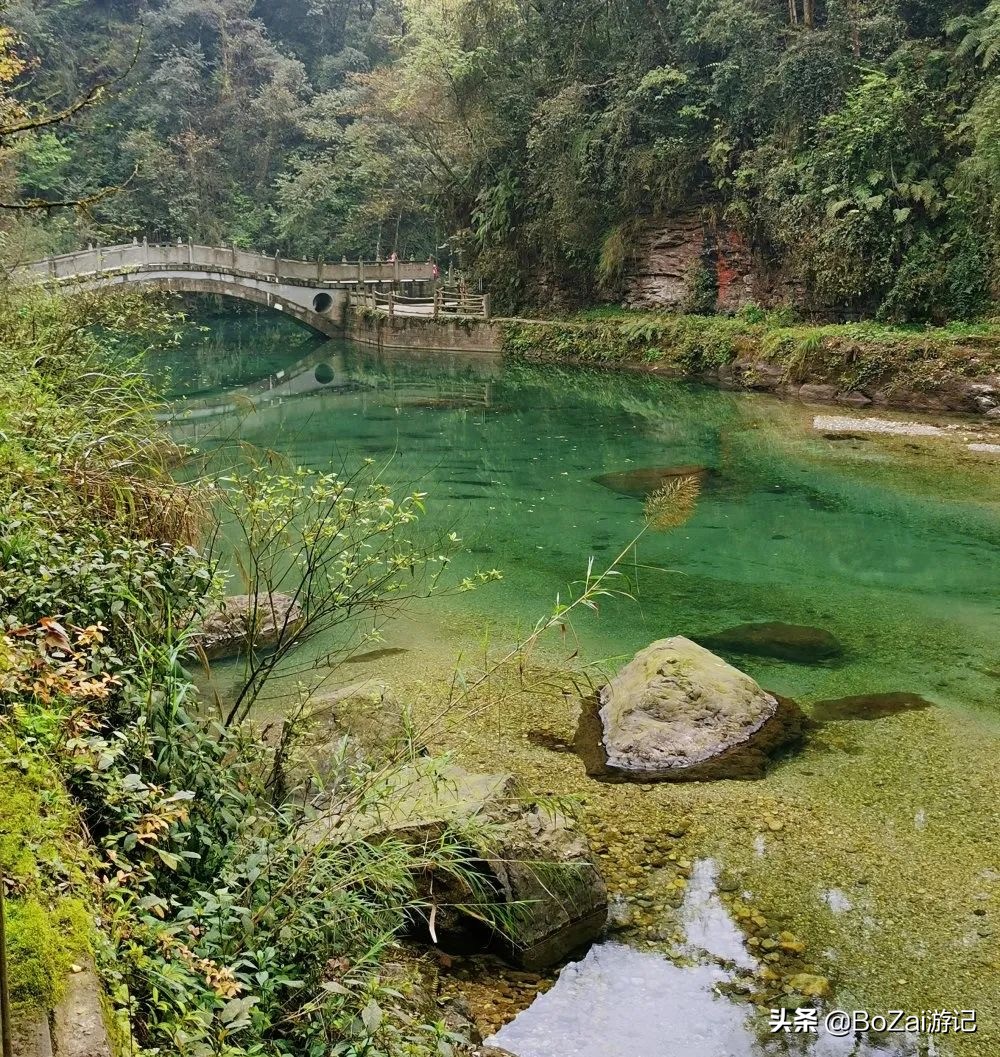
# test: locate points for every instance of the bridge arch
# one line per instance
(314, 292)
(293, 302)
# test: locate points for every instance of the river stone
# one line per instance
(244, 622)
(357, 726)
(819, 393)
(370, 714)
(642, 482)
(787, 642)
(868, 706)
(677, 712)
(548, 878)
(536, 863)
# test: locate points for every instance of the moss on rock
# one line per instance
(42, 856)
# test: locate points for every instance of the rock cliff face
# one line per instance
(673, 252)
(666, 258)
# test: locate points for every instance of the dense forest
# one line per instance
(853, 144)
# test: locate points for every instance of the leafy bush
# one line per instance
(232, 926)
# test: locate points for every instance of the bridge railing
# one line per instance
(146, 255)
(445, 301)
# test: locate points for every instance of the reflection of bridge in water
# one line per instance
(467, 378)
(314, 292)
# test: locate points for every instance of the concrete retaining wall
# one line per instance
(414, 332)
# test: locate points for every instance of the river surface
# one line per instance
(877, 844)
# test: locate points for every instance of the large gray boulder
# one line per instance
(249, 622)
(546, 874)
(676, 712)
(535, 865)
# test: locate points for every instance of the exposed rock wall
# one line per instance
(667, 255)
(672, 251)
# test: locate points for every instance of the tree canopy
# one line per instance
(855, 145)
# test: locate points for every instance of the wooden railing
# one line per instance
(445, 301)
(144, 256)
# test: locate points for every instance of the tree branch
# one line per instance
(90, 97)
(36, 204)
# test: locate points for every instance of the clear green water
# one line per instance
(888, 543)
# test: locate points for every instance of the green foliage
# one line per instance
(43, 163)
(865, 356)
(688, 344)
(702, 290)
(856, 149)
(339, 545)
(246, 908)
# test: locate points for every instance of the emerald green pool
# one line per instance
(888, 543)
(875, 842)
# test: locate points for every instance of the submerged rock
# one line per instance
(786, 642)
(370, 714)
(249, 622)
(375, 655)
(642, 483)
(868, 706)
(676, 712)
(360, 726)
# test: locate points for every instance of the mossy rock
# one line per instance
(676, 712)
(42, 945)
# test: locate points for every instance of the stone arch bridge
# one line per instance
(314, 292)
